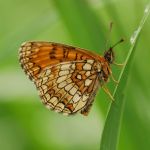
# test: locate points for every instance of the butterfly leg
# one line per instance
(117, 64)
(107, 92)
(116, 81)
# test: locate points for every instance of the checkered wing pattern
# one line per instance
(66, 77)
(35, 56)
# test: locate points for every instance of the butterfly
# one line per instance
(66, 77)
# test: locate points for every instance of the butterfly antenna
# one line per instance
(120, 41)
(108, 38)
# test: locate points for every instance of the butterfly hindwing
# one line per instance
(68, 87)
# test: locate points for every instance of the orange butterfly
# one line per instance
(66, 77)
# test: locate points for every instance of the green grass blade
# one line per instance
(111, 132)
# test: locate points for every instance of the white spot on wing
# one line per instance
(65, 72)
(43, 89)
(62, 84)
(85, 97)
(66, 111)
(88, 82)
(47, 96)
(73, 91)
(79, 76)
(45, 79)
(68, 87)
(90, 61)
(26, 44)
(28, 48)
(59, 107)
(48, 72)
(87, 66)
(76, 98)
(27, 53)
(65, 66)
(54, 100)
(88, 73)
(80, 105)
(61, 79)
(73, 66)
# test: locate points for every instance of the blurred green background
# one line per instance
(24, 122)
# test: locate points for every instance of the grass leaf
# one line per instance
(111, 132)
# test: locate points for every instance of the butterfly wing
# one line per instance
(35, 56)
(66, 77)
(68, 87)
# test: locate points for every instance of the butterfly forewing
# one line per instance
(66, 77)
(35, 56)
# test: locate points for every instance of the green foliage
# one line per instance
(112, 126)
(24, 121)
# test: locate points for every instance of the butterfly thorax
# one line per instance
(105, 62)
(105, 70)
(109, 55)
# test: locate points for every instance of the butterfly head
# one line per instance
(109, 54)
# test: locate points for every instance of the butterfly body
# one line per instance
(66, 77)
